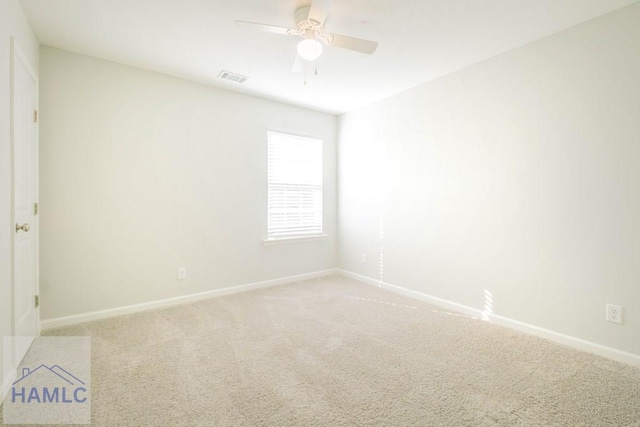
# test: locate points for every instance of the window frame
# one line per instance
(267, 240)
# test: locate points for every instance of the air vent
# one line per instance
(228, 75)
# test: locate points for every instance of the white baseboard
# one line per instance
(570, 341)
(450, 305)
(112, 312)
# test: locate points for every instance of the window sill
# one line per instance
(301, 239)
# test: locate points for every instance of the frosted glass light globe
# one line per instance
(309, 49)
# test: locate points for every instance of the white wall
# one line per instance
(12, 23)
(142, 173)
(519, 175)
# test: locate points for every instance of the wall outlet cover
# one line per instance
(182, 273)
(614, 313)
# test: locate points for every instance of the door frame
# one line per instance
(18, 55)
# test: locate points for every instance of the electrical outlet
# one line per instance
(364, 259)
(614, 313)
(182, 273)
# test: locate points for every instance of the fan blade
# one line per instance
(319, 10)
(298, 65)
(352, 43)
(263, 27)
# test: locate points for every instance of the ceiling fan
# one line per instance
(310, 26)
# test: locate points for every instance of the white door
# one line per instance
(25, 189)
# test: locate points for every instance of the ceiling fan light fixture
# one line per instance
(309, 49)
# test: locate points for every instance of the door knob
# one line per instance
(24, 227)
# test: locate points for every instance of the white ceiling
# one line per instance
(418, 40)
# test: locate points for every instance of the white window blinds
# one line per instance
(294, 193)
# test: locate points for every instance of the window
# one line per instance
(294, 186)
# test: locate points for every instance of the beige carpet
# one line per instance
(333, 352)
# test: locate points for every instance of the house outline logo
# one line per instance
(73, 389)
